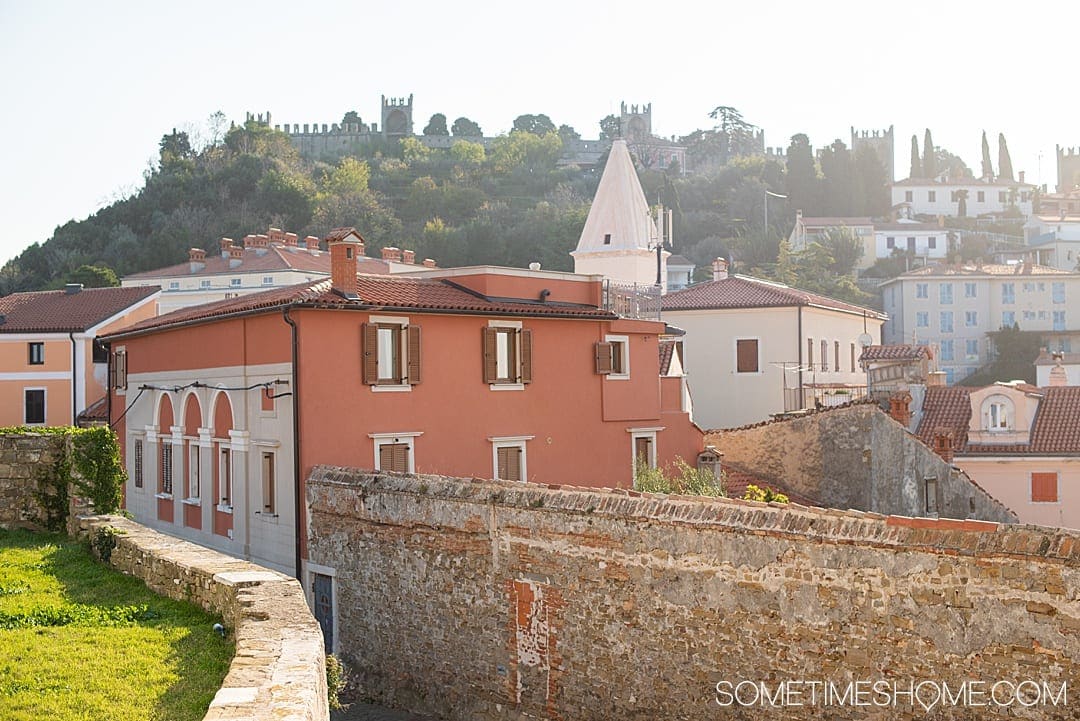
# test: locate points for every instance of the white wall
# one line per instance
(943, 204)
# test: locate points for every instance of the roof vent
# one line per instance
(73, 288)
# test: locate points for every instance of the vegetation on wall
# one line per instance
(679, 478)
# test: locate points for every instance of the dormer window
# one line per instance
(998, 414)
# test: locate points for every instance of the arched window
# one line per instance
(998, 414)
(222, 465)
(165, 422)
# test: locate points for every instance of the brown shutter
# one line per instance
(746, 355)
(502, 472)
(810, 353)
(413, 361)
(488, 346)
(1044, 487)
(526, 356)
(641, 450)
(386, 457)
(369, 353)
(401, 457)
(509, 463)
(604, 358)
(112, 372)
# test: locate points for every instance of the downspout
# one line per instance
(296, 441)
(799, 343)
(74, 389)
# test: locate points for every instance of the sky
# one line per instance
(89, 88)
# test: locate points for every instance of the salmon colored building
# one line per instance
(484, 372)
(51, 369)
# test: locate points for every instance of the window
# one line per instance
(390, 349)
(945, 293)
(395, 451)
(1008, 319)
(37, 353)
(34, 406)
(508, 458)
(643, 447)
(810, 353)
(946, 350)
(98, 352)
(174, 285)
(269, 486)
(194, 490)
(922, 319)
(836, 356)
(931, 242)
(997, 415)
(1043, 315)
(507, 355)
(911, 244)
(165, 476)
(204, 283)
(1044, 487)
(137, 462)
(1028, 287)
(945, 321)
(225, 476)
(970, 290)
(971, 348)
(1028, 315)
(613, 357)
(824, 355)
(909, 196)
(980, 196)
(607, 238)
(268, 280)
(118, 372)
(747, 359)
(922, 290)
(930, 495)
(931, 195)
(852, 357)
(890, 242)
(1059, 320)
(1002, 197)
(971, 318)
(1008, 293)
(235, 282)
(1058, 291)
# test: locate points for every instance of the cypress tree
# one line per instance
(987, 167)
(929, 161)
(1004, 161)
(916, 164)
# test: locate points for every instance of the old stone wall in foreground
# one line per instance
(482, 600)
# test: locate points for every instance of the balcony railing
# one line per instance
(632, 300)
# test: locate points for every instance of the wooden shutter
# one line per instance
(488, 336)
(810, 353)
(509, 463)
(641, 450)
(526, 356)
(369, 353)
(1044, 487)
(394, 457)
(747, 355)
(112, 372)
(412, 370)
(604, 358)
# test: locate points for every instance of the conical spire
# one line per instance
(619, 218)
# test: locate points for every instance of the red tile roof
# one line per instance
(667, 351)
(742, 292)
(57, 311)
(945, 408)
(899, 352)
(966, 182)
(96, 412)
(943, 269)
(375, 292)
(272, 257)
(736, 480)
(830, 222)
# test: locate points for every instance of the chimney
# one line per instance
(72, 288)
(429, 263)
(720, 269)
(391, 254)
(900, 407)
(943, 444)
(250, 240)
(345, 245)
(1058, 375)
(408, 256)
(226, 243)
(291, 240)
(262, 244)
(311, 243)
(196, 259)
(1020, 175)
(236, 257)
(276, 235)
(935, 378)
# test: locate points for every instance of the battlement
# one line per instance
(881, 142)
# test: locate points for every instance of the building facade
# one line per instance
(943, 197)
(809, 230)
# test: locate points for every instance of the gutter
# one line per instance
(74, 384)
(298, 501)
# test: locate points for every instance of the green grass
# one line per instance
(81, 641)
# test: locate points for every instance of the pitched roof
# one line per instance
(945, 407)
(259, 260)
(667, 352)
(965, 182)
(948, 270)
(910, 226)
(743, 292)
(619, 210)
(736, 479)
(834, 222)
(898, 352)
(96, 412)
(679, 260)
(374, 291)
(57, 311)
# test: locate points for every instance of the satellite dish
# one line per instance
(866, 340)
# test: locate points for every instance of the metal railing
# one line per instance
(797, 399)
(631, 300)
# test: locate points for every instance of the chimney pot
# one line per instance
(720, 269)
(345, 245)
(311, 242)
(429, 263)
(391, 254)
(408, 256)
(291, 240)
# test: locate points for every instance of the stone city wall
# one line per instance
(481, 600)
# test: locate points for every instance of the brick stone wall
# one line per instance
(856, 457)
(279, 669)
(23, 458)
(482, 600)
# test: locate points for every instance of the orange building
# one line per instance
(51, 370)
(486, 372)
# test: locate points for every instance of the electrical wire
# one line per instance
(199, 384)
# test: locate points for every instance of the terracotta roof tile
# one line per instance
(902, 351)
(834, 222)
(667, 351)
(945, 407)
(743, 292)
(736, 480)
(945, 270)
(375, 292)
(96, 412)
(1057, 422)
(273, 257)
(57, 311)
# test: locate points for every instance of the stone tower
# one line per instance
(1068, 169)
(881, 142)
(635, 122)
(397, 120)
(619, 238)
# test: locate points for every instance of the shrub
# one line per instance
(766, 495)
(679, 478)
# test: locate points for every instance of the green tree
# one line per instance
(610, 127)
(929, 159)
(916, 163)
(462, 151)
(961, 202)
(953, 166)
(413, 150)
(94, 276)
(535, 124)
(987, 166)
(524, 149)
(350, 176)
(1015, 358)
(351, 117)
(804, 189)
(436, 125)
(1004, 160)
(567, 133)
(871, 184)
(837, 179)
(174, 146)
(737, 134)
(465, 128)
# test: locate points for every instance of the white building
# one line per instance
(809, 230)
(1055, 239)
(754, 348)
(955, 307)
(1064, 368)
(942, 197)
(924, 240)
(680, 272)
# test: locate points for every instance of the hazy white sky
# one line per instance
(89, 88)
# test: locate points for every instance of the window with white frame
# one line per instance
(643, 447)
(234, 282)
(613, 357)
(997, 412)
(395, 451)
(508, 458)
(970, 290)
(174, 285)
(137, 462)
(971, 318)
(945, 293)
(204, 283)
(34, 406)
(268, 477)
(165, 471)
(922, 319)
(194, 471)
(1008, 293)
(225, 476)
(747, 355)
(945, 322)
(922, 290)
(268, 280)
(390, 349)
(507, 354)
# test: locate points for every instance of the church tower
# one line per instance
(619, 238)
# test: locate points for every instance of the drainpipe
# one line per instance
(799, 343)
(74, 396)
(296, 442)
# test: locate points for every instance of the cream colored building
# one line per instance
(754, 348)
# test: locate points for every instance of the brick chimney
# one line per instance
(226, 243)
(408, 256)
(197, 259)
(1058, 375)
(276, 235)
(900, 407)
(311, 243)
(345, 246)
(943, 444)
(236, 257)
(262, 244)
(250, 240)
(291, 240)
(1021, 176)
(429, 263)
(391, 254)
(720, 269)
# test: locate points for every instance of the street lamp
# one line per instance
(775, 195)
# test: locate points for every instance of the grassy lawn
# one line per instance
(81, 641)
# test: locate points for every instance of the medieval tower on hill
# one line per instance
(881, 142)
